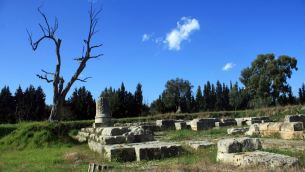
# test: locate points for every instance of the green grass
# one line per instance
(43, 159)
(181, 135)
(6, 129)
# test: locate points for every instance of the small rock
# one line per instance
(233, 131)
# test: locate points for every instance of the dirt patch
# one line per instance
(74, 156)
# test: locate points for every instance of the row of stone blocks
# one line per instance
(245, 152)
(115, 135)
(207, 123)
(136, 151)
(285, 130)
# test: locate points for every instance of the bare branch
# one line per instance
(45, 20)
(83, 80)
(45, 77)
(96, 46)
(55, 27)
(30, 39)
(79, 59)
(42, 29)
(94, 57)
(93, 21)
(47, 73)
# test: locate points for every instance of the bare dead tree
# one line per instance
(60, 89)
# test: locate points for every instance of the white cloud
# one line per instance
(181, 33)
(146, 37)
(158, 40)
(228, 66)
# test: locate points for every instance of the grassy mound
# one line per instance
(6, 129)
(39, 134)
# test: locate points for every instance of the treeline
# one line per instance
(28, 105)
(124, 103)
(178, 97)
(264, 84)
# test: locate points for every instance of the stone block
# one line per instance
(114, 131)
(257, 158)
(226, 122)
(156, 150)
(233, 131)
(292, 126)
(240, 121)
(235, 145)
(203, 124)
(257, 120)
(147, 152)
(82, 136)
(295, 118)
(141, 134)
(120, 153)
(263, 126)
(180, 125)
(90, 130)
(170, 150)
(99, 130)
(289, 135)
(275, 126)
(95, 146)
(166, 124)
(110, 140)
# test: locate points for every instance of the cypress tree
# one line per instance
(138, 98)
(199, 100)
(7, 106)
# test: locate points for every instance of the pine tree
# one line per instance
(30, 103)
(226, 97)
(122, 101)
(213, 98)
(7, 106)
(302, 94)
(207, 96)
(138, 98)
(82, 104)
(40, 105)
(235, 97)
(219, 96)
(20, 104)
(199, 100)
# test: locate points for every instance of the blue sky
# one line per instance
(152, 41)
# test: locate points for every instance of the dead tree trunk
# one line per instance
(60, 90)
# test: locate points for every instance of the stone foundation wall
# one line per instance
(285, 130)
(244, 152)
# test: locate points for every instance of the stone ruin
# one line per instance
(136, 142)
(208, 123)
(291, 128)
(124, 143)
(103, 114)
(244, 152)
(284, 130)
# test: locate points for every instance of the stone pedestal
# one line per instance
(103, 114)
